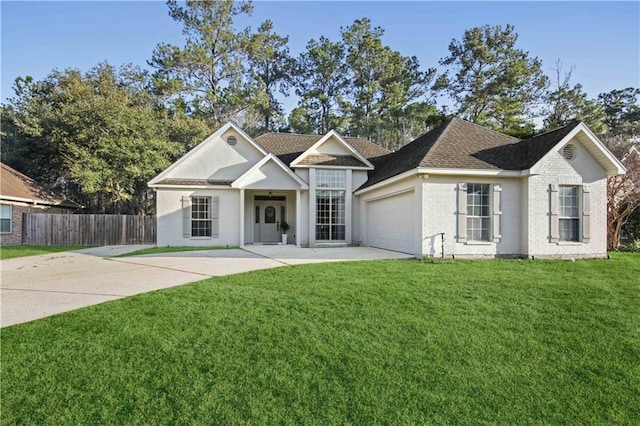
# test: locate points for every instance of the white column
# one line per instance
(312, 206)
(242, 218)
(298, 222)
(348, 196)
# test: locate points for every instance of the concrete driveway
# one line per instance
(40, 286)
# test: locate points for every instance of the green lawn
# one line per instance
(10, 252)
(384, 342)
(156, 250)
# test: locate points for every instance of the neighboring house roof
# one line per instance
(289, 146)
(15, 186)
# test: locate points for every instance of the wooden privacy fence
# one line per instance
(87, 229)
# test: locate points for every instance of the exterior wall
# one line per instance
(333, 147)
(554, 169)
(440, 216)
(358, 178)
(170, 218)
(219, 161)
(524, 208)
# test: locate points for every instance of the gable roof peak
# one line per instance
(569, 126)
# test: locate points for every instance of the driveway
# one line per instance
(40, 286)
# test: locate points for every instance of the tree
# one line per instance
(272, 71)
(321, 82)
(383, 84)
(365, 59)
(209, 69)
(403, 107)
(300, 121)
(623, 192)
(494, 83)
(622, 111)
(567, 104)
(98, 137)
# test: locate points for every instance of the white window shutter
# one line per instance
(462, 212)
(215, 227)
(586, 213)
(496, 212)
(186, 216)
(554, 222)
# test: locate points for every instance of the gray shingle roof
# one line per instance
(459, 144)
(288, 146)
(331, 160)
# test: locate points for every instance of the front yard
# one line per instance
(393, 342)
(11, 252)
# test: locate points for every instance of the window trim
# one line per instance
(577, 234)
(486, 218)
(332, 220)
(207, 212)
(332, 191)
(10, 218)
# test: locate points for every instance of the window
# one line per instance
(331, 178)
(201, 217)
(478, 219)
(569, 214)
(330, 223)
(330, 205)
(270, 215)
(5, 218)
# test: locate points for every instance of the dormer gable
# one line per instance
(332, 150)
(270, 173)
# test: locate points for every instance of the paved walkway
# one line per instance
(40, 286)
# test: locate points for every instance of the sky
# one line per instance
(600, 39)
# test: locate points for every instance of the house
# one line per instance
(20, 194)
(460, 190)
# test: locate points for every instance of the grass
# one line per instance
(10, 252)
(156, 250)
(384, 342)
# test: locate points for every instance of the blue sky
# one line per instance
(601, 39)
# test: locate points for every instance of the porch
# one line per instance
(268, 214)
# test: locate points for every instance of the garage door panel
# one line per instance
(390, 223)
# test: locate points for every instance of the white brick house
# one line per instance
(460, 190)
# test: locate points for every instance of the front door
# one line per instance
(269, 215)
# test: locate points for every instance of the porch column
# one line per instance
(242, 218)
(298, 218)
(348, 197)
(312, 207)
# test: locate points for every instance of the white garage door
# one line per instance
(390, 223)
